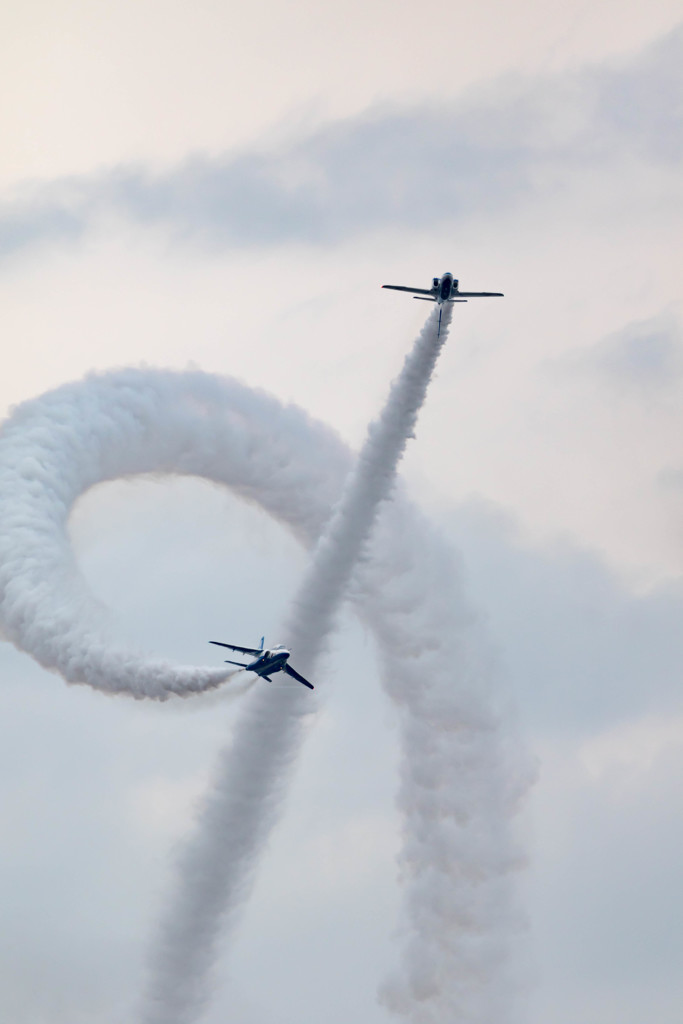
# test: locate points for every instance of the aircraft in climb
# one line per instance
(444, 289)
(266, 662)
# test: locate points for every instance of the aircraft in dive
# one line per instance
(444, 289)
(265, 663)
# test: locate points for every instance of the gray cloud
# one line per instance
(579, 650)
(584, 657)
(486, 153)
(45, 219)
(643, 357)
(644, 103)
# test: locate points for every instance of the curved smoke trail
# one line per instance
(241, 806)
(455, 794)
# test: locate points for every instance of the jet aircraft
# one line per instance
(266, 663)
(444, 289)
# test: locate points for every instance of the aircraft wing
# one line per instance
(415, 291)
(477, 295)
(295, 675)
(234, 647)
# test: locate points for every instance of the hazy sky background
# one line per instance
(227, 186)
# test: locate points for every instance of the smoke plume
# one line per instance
(239, 812)
(459, 783)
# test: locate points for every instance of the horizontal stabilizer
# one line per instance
(241, 664)
(425, 298)
(480, 295)
(295, 675)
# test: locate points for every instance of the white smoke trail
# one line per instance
(455, 794)
(216, 866)
(341, 544)
(462, 778)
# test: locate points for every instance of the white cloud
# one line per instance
(493, 151)
(627, 756)
(90, 84)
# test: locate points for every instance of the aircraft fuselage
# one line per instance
(269, 661)
(443, 288)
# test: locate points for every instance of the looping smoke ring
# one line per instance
(456, 854)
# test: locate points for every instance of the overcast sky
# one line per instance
(227, 186)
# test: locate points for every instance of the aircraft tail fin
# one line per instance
(263, 641)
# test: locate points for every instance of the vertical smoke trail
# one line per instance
(341, 544)
(460, 774)
(215, 869)
(462, 777)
